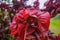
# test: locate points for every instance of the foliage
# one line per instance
(55, 24)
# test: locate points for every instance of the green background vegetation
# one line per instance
(55, 24)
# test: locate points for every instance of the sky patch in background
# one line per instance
(41, 6)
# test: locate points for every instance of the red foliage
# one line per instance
(19, 27)
(52, 8)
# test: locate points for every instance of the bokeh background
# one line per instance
(54, 22)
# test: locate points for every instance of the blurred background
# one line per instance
(8, 10)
